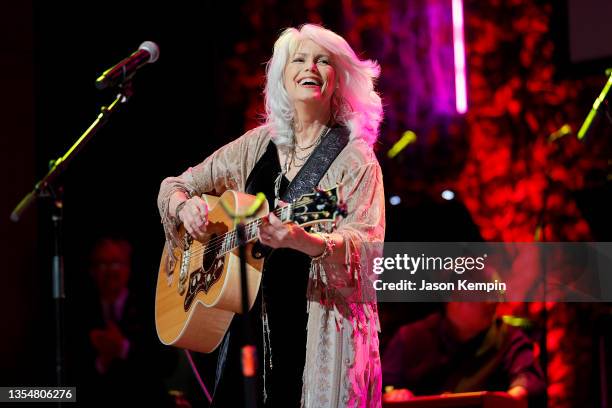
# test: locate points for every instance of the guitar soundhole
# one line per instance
(210, 272)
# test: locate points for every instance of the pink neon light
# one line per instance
(459, 51)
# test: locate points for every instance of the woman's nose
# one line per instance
(311, 66)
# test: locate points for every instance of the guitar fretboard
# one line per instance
(230, 239)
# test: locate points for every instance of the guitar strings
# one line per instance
(232, 242)
(231, 236)
(278, 211)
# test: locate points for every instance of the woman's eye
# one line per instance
(298, 60)
(322, 61)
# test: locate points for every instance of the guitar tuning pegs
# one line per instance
(318, 194)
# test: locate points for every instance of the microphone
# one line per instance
(148, 52)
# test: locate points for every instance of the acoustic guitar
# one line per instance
(196, 301)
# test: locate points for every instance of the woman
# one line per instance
(321, 335)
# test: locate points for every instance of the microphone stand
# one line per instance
(248, 349)
(44, 189)
(540, 236)
(599, 333)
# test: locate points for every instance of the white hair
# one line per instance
(355, 104)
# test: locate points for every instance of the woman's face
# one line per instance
(309, 74)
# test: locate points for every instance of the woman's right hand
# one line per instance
(194, 216)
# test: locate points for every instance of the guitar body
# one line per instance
(196, 301)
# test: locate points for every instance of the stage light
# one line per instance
(459, 54)
(448, 195)
(395, 200)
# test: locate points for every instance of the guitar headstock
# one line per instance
(318, 206)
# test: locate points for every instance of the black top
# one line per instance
(283, 288)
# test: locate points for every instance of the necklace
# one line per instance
(316, 142)
(293, 158)
(298, 161)
(302, 159)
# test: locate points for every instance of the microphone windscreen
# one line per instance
(152, 49)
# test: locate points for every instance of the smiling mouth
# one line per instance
(309, 82)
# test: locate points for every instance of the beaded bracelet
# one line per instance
(330, 244)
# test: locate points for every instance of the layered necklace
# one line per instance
(298, 156)
(296, 159)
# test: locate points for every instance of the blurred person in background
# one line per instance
(463, 349)
(117, 356)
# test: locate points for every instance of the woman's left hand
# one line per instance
(275, 234)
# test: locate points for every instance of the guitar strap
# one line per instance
(309, 175)
(317, 164)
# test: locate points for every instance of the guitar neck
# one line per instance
(251, 228)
